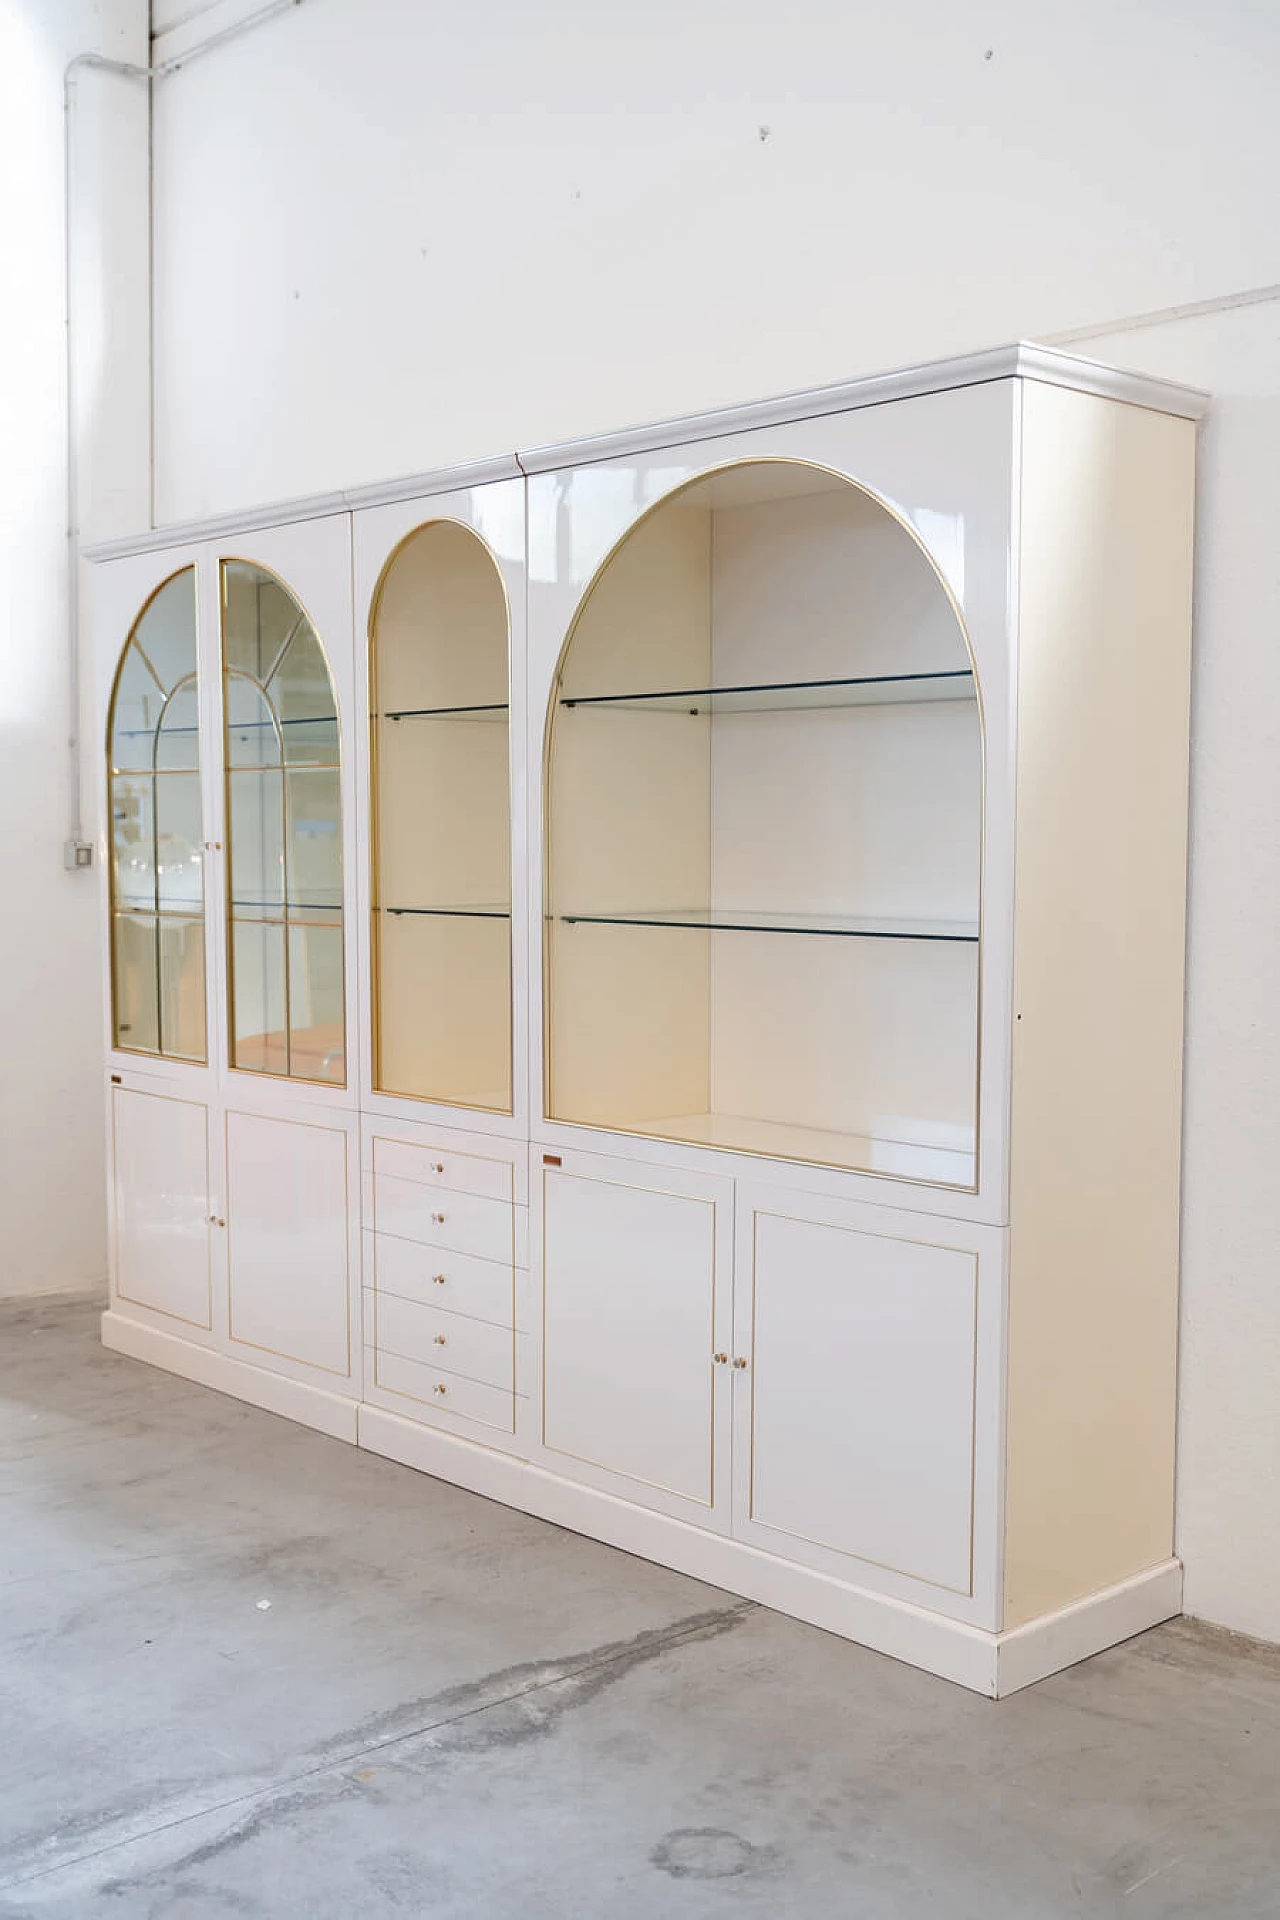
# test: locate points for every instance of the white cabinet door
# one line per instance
(856, 1428)
(636, 1268)
(160, 1190)
(292, 1280)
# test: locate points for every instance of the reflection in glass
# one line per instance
(442, 837)
(157, 873)
(284, 834)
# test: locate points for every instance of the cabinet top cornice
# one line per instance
(1022, 361)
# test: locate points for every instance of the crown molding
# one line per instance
(1024, 361)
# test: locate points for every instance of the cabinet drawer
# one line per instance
(485, 1289)
(447, 1341)
(463, 1222)
(444, 1392)
(442, 1167)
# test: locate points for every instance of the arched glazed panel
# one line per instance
(439, 671)
(284, 834)
(156, 864)
(763, 835)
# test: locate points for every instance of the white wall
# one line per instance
(51, 1133)
(389, 236)
(393, 235)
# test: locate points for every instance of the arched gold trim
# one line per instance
(149, 773)
(896, 515)
(131, 640)
(226, 560)
(375, 867)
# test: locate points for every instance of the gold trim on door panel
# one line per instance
(583, 1459)
(148, 1093)
(318, 1126)
(825, 1546)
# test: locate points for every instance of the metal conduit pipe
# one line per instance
(77, 851)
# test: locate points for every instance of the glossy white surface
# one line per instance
(449, 1341)
(461, 1283)
(858, 1449)
(160, 1150)
(287, 1229)
(629, 1299)
(443, 1167)
(445, 1394)
(862, 1396)
(461, 1222)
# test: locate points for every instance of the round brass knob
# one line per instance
(441, 1341)
(441, 1389)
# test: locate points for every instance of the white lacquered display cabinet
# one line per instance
(766, 840)
(234, 1191)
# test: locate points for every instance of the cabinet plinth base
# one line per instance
(327, 1412)
(993, 1664)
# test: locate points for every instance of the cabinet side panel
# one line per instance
(1100, 887)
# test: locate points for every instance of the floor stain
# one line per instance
(508, 1707)
(710, 1853)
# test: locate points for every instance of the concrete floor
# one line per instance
(248, 1671)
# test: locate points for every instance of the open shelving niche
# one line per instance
(440, 722)
(763, 836)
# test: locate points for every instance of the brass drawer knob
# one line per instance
(739, 1363)
(438, 1218)
(721, 1359)
(440, 1389)
(439, 1279)
(441, 1341)
(439, 1166)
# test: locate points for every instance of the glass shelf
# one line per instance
(496, 711)
(788, 696)
(902, 1159)
(857, 926)
(486, 912)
